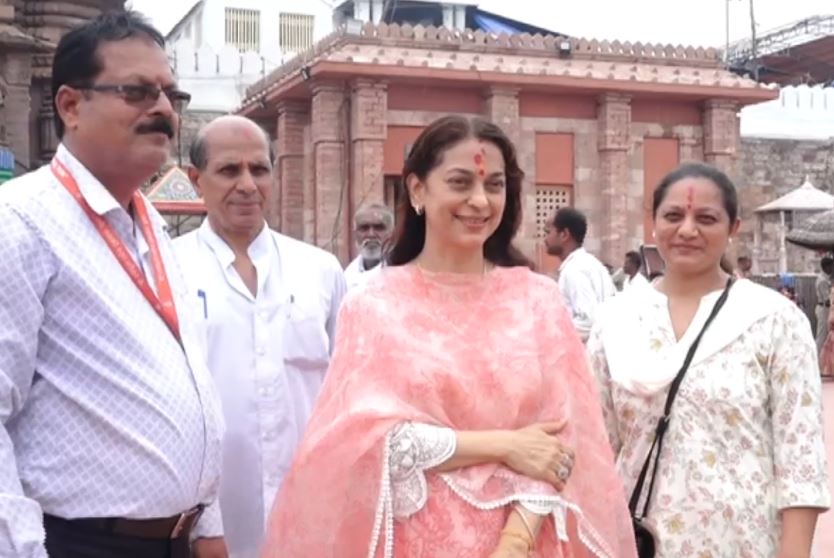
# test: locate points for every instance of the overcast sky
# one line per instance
(687, 22)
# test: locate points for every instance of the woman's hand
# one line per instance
(535, 452)
(510, 548)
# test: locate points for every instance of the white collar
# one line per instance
(258, 248)
(95, 193)
(573, 255)
(636, 362)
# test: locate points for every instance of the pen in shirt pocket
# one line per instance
(202, 294)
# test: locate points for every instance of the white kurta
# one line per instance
(745, 439)
(357, 276)
(268, 354)
(638, 281)
(585, 284)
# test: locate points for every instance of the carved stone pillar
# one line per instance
(289, 202)
(368, 130)
(328, 122)
(721, 134)
(613, 140)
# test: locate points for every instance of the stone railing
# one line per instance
(479, 41)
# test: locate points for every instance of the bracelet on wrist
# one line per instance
(515, 535)
(520, 512)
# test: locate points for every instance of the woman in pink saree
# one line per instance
(458, 418)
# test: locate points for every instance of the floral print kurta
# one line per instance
(745, 440)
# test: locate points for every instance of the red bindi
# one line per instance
(479, 162)
(690, 196)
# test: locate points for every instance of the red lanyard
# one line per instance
(164, 303)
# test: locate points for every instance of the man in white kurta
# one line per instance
(269, 303)
(631, 267)
(372, 227)
(583, 280)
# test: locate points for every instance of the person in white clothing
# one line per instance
(633, 276)
(583, 280)
(372, 227)
(110, 422)
(269, 304)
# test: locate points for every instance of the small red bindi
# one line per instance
(690, 197)
(479, 162)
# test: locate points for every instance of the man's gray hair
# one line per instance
(379, 208)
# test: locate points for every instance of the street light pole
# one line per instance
(727, 30)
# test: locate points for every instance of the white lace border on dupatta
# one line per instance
(383, 527)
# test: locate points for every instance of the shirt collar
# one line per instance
(573, 255)
(95, 193)
(258, 250)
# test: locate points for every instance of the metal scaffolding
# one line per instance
(782, 39)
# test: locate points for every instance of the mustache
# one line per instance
(158, 126)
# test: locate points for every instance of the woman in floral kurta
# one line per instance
(745, 443)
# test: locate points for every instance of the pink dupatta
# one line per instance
(497, 352)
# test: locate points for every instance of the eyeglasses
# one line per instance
(140, 94)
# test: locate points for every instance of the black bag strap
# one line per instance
(663, 423)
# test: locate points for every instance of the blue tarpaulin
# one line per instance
(490, 24)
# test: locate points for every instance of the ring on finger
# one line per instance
(563, 472)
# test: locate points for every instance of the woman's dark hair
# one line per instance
(700, 170)
(77, 62)
(426, 154)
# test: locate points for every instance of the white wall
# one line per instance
(217, 80)
(217, 75)
(213, 22)
(799, 113)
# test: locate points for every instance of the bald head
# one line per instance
(231, 170)
(222, 129)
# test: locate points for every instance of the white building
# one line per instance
(802, 113)
(220, 47)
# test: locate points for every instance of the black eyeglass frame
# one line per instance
(139, 93)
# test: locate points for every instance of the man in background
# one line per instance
(583, 280)
(632, 267)
(822, 288)
(745, 267)
(372, 227)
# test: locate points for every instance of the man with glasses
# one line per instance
(372, 227)
(111, 425)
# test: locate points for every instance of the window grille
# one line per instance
(548, 200)
(295, 32)
(243, 29)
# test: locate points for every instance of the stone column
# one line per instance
(721, 143)
(288, 203)
(6, 17)
(15, 79)
(328, 122)
(721, 134)
(501, 108)
(613, 139)
(368, 130)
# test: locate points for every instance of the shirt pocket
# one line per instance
(306, 344)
